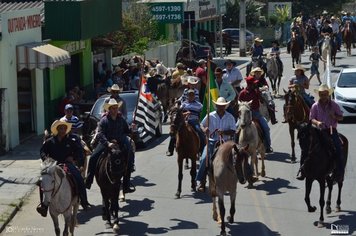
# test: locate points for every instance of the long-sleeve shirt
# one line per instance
(232, 75)
(110, 129)
(227, 122)
(226, 90)
(322, 114)
(184, 96)
(247, 95)
(61, 150)
(194, 108)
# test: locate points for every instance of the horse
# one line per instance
(312, 36)
(274, 73)
(250, 135)
(264, 104)
(110, 169)
(256, 62)
(295, 49)
(319, 164)
(329, 48)
(187, 146)
(296, 112)
(228, 166)
(347, 36)
(59, 196)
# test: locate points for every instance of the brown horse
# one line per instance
(187, 146)
(111, 167)
(229, 165)
(347, 36)
(319, 164)
(296, 112)
(312, 36)
(295, 49)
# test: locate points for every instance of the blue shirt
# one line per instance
(194, 108)
(184, 96)
(257, 50)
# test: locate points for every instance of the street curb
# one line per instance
(17, 208)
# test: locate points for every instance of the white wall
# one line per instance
(8, 74)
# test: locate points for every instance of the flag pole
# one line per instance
(208, 110)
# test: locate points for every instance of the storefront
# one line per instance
(23, 60)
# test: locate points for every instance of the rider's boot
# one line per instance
(272, 114)
(41, 208)
(89, 179)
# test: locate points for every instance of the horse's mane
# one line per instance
(48, 165)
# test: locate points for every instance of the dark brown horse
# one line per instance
(295, 49)
(312, 36)
(320, 165)
(187, 146)
(347, 36)
(111, 167)
(296, 112)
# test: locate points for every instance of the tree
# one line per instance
(231, 18)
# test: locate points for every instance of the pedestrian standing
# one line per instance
(314, 58)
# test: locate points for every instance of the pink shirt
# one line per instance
(322, 114)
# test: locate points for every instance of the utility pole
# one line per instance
(242, 36)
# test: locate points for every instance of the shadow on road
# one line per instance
(154, 143)
(348, 120)
(85, 216)
(250, 228)
(278, 156)
(141, 181)
(134, 207)
(274, 185)
(344, 218)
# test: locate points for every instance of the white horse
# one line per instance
(266, 100)
(250, 137)
(58, 196)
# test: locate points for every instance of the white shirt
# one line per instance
(233, 75)
(227, 122)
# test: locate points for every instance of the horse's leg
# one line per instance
(232, 207)
(291, 133)
(308, 186)
(186, 165)
(67, 222)
(115, 206)
(222, 212)
(338, 202)
(106, 210)
(321, 202)
(215, 213)
(263, 170)
(74, 212)
(278, 83)
(193, 173)
(329, 182)
(180, 175)
(54, 217)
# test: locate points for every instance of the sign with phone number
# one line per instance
(167, 12)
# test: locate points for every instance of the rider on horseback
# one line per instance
(250, 93)
(232, 75)
(325, 30)
(63, 147)
(325, 114)
(295, 29)
(300, 82)
(256, 52)
(275, 50)
(262, 84)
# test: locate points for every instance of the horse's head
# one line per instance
(245, 114)
(50, 172)
(290, 104)
(304, 136)
(177, 118)
(296, 110)
(118, 160)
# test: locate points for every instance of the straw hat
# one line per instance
(258, 40)
(299, 67)
(114, 87)
(221, 102)
(323, 88)
(118, 69)
(257, 69)
(112, 102)
(57, 123)
(192, 80)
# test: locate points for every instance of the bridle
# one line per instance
(291, 107)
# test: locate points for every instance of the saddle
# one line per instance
(73, 184)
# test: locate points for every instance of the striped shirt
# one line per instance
(184, 96)
(194, 108)
(74, 120)
(227, 122)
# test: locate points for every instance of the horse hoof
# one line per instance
(312, 209)
(177, 195)
(230, 219)
(116, 228)
(263, 173)
(338, 209)
(293, 160)
(223, 233)
(320, 224)
(328, 210)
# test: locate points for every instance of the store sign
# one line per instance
(167, 12)
(207, 9)
(74, 46)
(21, 23)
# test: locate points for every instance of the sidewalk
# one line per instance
(19, 172)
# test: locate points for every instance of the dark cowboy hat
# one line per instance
(276, 42)
(229, 61)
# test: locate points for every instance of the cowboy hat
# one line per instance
(229, 61)
(192, 80)
(325, 12)
(180, 65)
(333, 18)
(114, 87)
(118, 69)
(257, 69)
(258, 40)
(323, 88)
(57, 123)
(343, 12)
(221, 101)
(299, 67)
(201, 61)
(112, 102)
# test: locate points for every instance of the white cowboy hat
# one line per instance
(57, 123)
(201, 61)
(193, 80)
(323, 88)
(114, 87)
(161, 69)
(299, 67)
(221, 102)
(257, 69)
(258, 40)
(112, 102)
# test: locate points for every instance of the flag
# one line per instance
(214, 93)
(145, 115)
(327, 74)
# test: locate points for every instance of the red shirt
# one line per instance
(201, 74)
(247, 95)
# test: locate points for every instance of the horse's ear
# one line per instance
(60, 173)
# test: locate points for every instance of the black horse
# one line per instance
(318, 155)
(111, 167)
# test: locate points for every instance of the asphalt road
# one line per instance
(275, 207)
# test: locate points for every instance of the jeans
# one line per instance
(196, 125)
(79, 180)
(264, 126)
(201, 176)
(309, 100)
